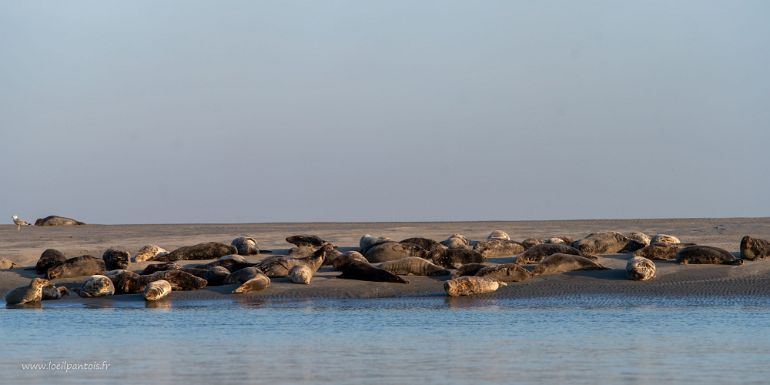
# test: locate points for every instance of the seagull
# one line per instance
(19, 222)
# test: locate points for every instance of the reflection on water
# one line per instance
(579, 339)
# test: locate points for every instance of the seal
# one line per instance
(149, 252)
(754, 248)
(156, 290)
(499, 234)
(640, 237)
(160, 267)
(413, 266)
(306, 240)
(536, 253)
(178, 279)
(707, 255)
(368, 241)
(116, 259)
(302, 251)
(454, 258)
(507, 272)
(559, 240)
(77, 267)
(125, 281)
(471, 285)
(52, 292)
(456, 241)
(279, 266)
(661, 251)
(469, 269)
(55, 220)
(664, 238)
(96, 286)
(640, 269)
(425, 243)
(216, 275)
(346, 258)
(7, 264)
(364, 271)
(495, 248)
(562, 263)
(245, 246)
(301, 274)
(390, 251)
(260, 282)
(30, 294)
(530, 242)
(49, 259)
(208, 250)
(230, 262)
(242, 275)
(606, 242)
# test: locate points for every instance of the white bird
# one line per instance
(19, 222)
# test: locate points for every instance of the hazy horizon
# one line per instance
(301, 111)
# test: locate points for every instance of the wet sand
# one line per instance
(753, 278)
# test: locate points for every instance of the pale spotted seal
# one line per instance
(30, 294)
(49, 259)
(54, 220)
(156, 290)
(96, 286)
(149, 253)
(364, 271)
(640, 237)
(706, 254)
(507, 272)
(260, 282)
(536, 253)
(207, 250)
(562, 263)
(245, 245)
(640, 269)
(77, 267)
(413, 266)
(301, 274)
(664, 238)
(559, 239)
(471, 285)
(754, 248)
(499, 234)
(115, 258)
(279, 266)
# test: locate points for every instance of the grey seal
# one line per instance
(301, 274)
(454, 258)
(245, 246)
(754, 248)
(346, 258)
(49, 259)
(562, 263)
(389, 251)
(207, 250)
(279, 266)
(156, 290)
(413, 266)
(368, 241)
(260, 282)
(536, 253)
(77, 267)
(606, 242)
(661, 251)
(507, 272)
(115, 258)
(149, 252)
(51, 291)
(425, 243)
(365, 271)
(706, 254)
(456, 241)
(96, 286)
(499, 234)
(530, 242)
(664, 238)
(55, 220)
(495, 248)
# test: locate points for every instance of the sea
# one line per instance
(581, 339)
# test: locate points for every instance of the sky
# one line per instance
(282, 111)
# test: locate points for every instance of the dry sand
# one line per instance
(753, 278)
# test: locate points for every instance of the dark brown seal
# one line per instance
(364, 271)
(49, 259)
(178, 279)
(160, 267)
(456, 257)
(706, 255)
(306, 240)
(661, 251)
(77, 267)
(115, 258)
(54, 220)
(242, 275)
(425, 243)
(536, 253)
(754, 248)
(208, 250)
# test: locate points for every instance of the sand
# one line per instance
(753, 278)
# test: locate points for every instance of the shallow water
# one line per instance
(577, 340)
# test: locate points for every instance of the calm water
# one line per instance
(578, 340)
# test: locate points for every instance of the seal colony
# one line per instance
(462, 266)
